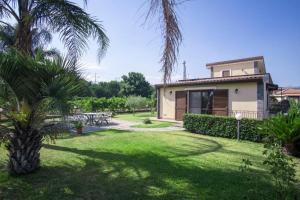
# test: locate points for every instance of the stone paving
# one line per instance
(126, 125)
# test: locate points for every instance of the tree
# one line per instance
(37, 86)
(135, 84)
(72, 23)
(40, 39)
(106, 89)
(136, 102)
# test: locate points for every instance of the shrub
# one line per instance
(280, 167)
(136, 102)
(285, 127)
(282, 170)
(222, 126)
(147, 121)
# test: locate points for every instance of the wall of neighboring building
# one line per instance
(236, 69)
(244, 100)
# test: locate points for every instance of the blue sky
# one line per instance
(213, 30)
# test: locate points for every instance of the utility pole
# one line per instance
(95, 78)
(184, 70)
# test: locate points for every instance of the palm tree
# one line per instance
(72, 23)
(285, 128)
(36, 85)
(40, 39)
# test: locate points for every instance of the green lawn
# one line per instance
(134, 165)
(137, 117)
(154, 124)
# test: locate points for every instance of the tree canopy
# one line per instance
(64, 17)
(135, 84)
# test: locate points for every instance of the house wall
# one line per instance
(237, 69)
(244, 100)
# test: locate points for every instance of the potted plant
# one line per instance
(78, 125)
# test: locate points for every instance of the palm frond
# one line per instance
(40, 38)
(165, 9)
(73, 24)
(7, 36)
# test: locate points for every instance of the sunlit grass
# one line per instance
(154, 124)
(135, 117)
(116, 164)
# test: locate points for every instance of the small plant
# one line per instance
(282, 170)
(78, 125)
(147, 121)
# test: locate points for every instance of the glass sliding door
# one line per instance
(207, 101)
(195, 102)
(201, 102)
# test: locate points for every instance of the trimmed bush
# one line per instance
(147, 121)
(222, 126)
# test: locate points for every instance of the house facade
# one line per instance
(287, 94)
(235, 86)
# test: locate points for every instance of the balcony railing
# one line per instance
(224, 112)
(247, 114)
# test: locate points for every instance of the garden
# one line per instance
(41, 158)
(117, 164)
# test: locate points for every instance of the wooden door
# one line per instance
(180, 105)
(220, 102)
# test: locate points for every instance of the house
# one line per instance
(235, 86)
(287, 94)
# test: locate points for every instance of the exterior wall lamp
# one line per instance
(236, 91)
(171, 92)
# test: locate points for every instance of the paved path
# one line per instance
(127, 125)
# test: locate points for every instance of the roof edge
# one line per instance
(235, 61)
(242, 78)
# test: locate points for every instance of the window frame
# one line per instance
(224, 70)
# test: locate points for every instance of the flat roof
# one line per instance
(243, 78)
(235, 61)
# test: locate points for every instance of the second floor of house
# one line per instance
(239, 67)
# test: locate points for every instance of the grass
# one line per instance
(136, 117)
(116, 164)
(154, 124)
(139, 117)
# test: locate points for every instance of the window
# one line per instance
(195, 102)
(201, 101)
(225, 73)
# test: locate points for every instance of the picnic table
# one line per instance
(96, 118)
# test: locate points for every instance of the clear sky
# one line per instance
(213, 30)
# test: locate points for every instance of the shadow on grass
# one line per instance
(111, 175)
(99, 133)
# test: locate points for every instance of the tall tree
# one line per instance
(72, 23)
(135, 84)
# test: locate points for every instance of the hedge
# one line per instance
(114, 104)
(222, 126)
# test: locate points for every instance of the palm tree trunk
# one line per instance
(290, 149)
(24, 150)
(24, 32)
